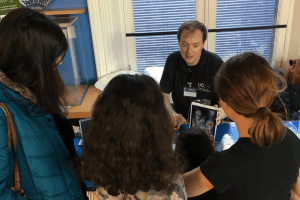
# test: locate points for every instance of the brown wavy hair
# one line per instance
(30, 44)
(129, 146)
(246, 82)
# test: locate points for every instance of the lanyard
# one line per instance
(196, 68)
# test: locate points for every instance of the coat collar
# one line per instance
(16, 87)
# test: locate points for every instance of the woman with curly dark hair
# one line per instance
(129, 147)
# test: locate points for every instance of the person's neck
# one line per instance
(191, 66)
(243, 124)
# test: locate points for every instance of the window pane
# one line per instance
(244, 13)
(158, 16)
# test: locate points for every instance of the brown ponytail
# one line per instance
(247, 83)
(267, 128)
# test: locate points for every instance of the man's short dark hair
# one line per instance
(192, 25)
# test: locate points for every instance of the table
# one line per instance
(85, 109)
(222, 129)
(231, 129)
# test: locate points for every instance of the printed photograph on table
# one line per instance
(35, 4)
(204, 117)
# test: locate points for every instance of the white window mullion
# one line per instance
(206, 13)
(210, 22)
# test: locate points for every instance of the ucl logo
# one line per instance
(203, 87)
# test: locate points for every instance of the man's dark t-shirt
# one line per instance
(177, 74)
(248, 171)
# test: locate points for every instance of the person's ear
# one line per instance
(58, 60)
(203, 45)
(223, 104)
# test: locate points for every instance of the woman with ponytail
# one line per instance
(264, 162)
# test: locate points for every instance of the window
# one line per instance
(157, 21)
(236, 14)
(152, 16)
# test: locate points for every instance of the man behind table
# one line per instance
(189, 73)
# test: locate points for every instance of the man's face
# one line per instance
(191, 45)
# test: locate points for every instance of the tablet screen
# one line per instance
(84, 127)
(205, 119)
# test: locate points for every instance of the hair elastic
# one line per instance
(261, 109)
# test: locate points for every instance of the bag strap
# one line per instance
(11, 131)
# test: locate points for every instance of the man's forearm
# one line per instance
(179, 118)
(168, 105)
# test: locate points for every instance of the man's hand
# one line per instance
(221, 115)
(180, 119)
(174, 123)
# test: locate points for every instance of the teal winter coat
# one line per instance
(44, 161)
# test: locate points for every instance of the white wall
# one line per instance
(287, 43)
(294, 46)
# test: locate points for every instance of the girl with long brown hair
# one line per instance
(264, 162)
